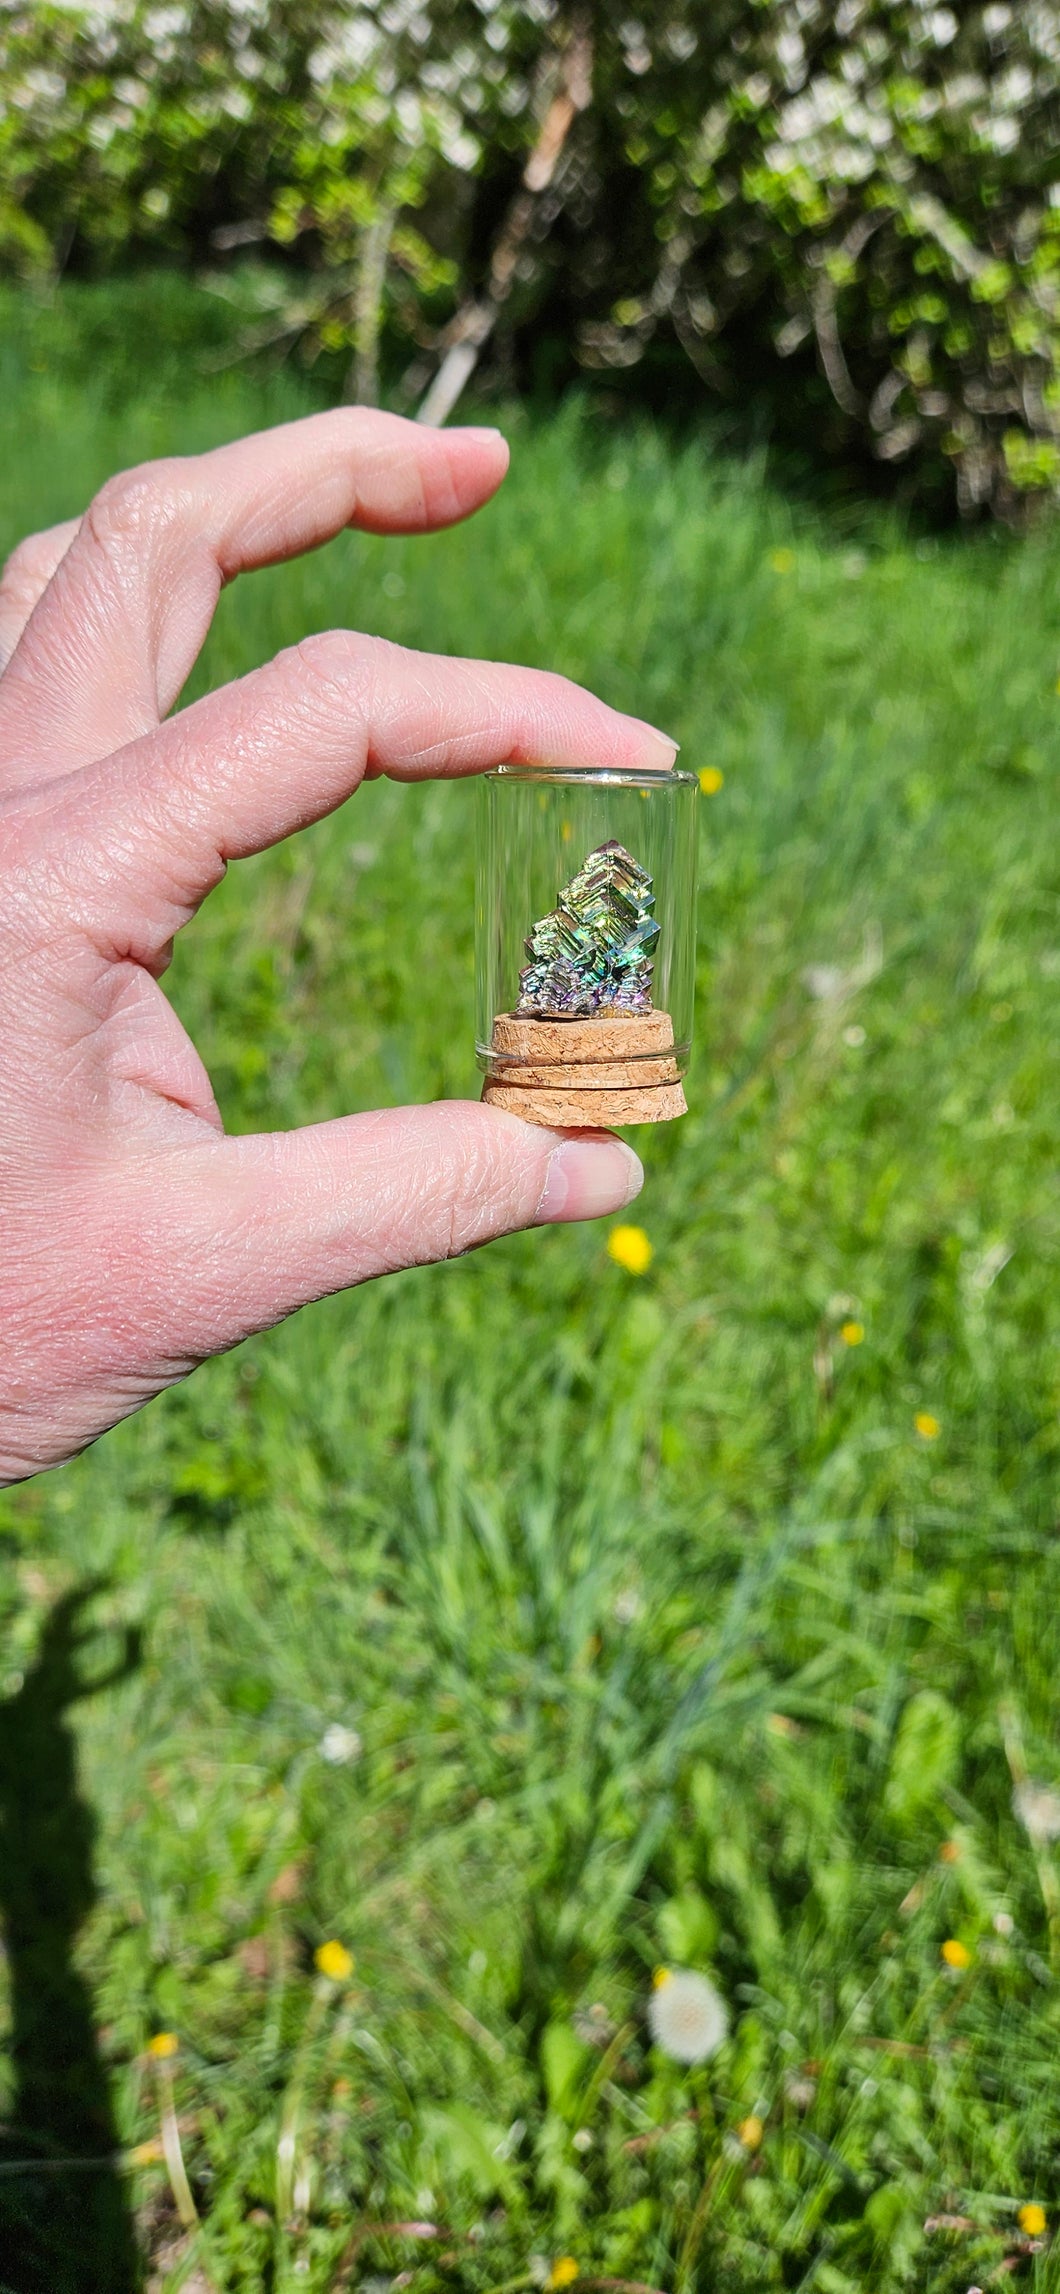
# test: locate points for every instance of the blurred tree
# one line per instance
(865, 193)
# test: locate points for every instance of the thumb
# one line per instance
(180, 1251)
(297, 1214)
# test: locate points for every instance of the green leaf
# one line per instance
(688, 1928)
(563, 2059)
(924, 1755)
(466, 2147)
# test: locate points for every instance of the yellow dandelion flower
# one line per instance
(564, 2271)
(145, 2154)
(711, 780)
(782, 561)
(1031, 2218)
(163, 2045)
(661, 1975)
(852, 1333)
(334, 1960)
(751, 2131)
(927, 1427)
(630, 1248)
(955, 1953)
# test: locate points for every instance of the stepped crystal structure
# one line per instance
(593, 953)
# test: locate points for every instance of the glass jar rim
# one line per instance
(593, 776)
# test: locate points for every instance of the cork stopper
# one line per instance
(576, 1074)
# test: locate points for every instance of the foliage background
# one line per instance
(522, 1624)
(843, 216)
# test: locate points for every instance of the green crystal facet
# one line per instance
(593, 952)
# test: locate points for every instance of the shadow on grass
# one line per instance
(64, 2228)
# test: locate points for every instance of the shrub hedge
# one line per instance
(852, 209)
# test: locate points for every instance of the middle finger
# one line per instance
(154, 828)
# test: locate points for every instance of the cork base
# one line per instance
(572, 1074)
(588, 1110)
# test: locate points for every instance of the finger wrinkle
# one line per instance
(444, 499)
(389, 490)
(254, 536)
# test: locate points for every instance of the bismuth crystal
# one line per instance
(593, 953)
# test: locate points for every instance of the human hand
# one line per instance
(136, 1238)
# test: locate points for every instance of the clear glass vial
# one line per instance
(585, 942)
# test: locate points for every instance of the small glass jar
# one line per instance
(585, 929)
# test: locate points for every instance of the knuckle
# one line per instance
(327, 654)
(564, 692)
(332, 663)
(135, 505)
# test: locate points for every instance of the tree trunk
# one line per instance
(362, 381)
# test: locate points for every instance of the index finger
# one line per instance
(112, 639)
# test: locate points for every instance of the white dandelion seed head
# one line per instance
(688, 2017)
(824, 982)
(339, 1745)
(1038, 1809)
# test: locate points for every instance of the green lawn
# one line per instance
(659, 1633)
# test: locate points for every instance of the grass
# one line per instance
(658, 1631)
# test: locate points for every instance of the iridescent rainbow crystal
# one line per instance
(593, 953)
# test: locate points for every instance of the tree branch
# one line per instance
(475, 321)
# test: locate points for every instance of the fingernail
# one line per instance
(587, 1178)
(478, 430)
(668, 749)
